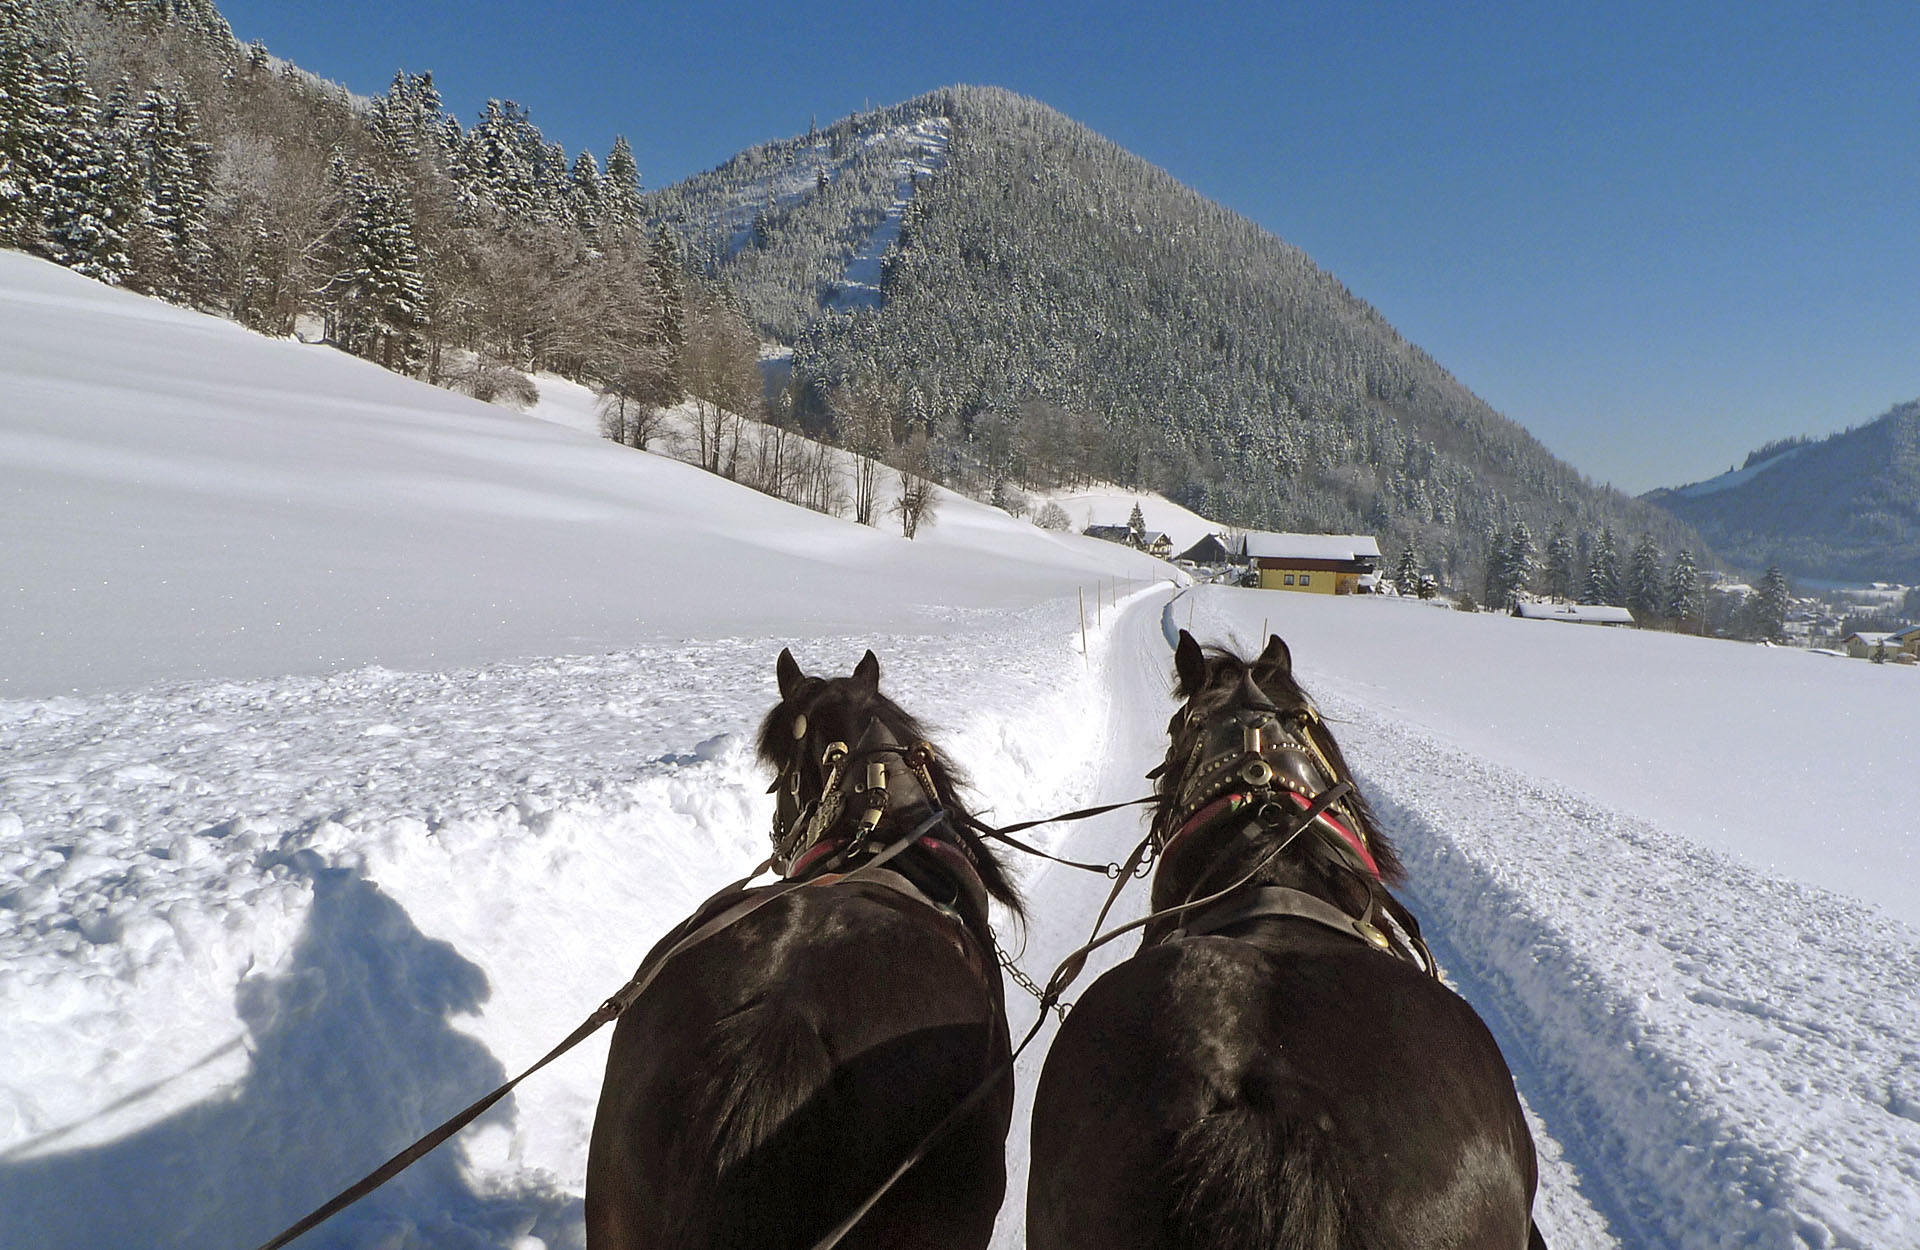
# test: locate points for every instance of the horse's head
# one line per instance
(1248, 750)
(832, 737)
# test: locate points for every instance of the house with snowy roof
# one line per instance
(1323, 564)
(1902, 646)
(1212, 549)
(1862, 643)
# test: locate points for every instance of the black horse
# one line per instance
(772, 1075)
(1276, 1067)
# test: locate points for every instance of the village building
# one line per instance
(1862, 644)
(1111, 533)
(1575, 613)
(1213, 549)
(1899, 646)
(1157, 545)
(1315, 564)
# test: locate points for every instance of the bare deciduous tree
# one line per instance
(916, 505)
(863, 415)
(720, 367)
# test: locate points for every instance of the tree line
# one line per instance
(142, 146)
(1661, 592)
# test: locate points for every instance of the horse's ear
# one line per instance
(867, 673)
(1276, 654)
(1189, 663)
(787, 669)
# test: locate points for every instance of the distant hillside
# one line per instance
(1051, 305)
(1844, 508)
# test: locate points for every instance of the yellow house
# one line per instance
(1315, 564)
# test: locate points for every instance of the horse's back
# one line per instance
(773, 1076)
(1212, 1093)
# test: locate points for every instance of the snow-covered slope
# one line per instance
(183, 498)
(268, 909)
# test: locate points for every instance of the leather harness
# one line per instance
(1264, 772)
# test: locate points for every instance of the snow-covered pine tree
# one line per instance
(624, 212)
(1494, 591)
(1683, 590)
(92, 197)
(377, 290)
(1137, 523)
(670, 280)
(26, 143)
(1603, 573)
(1518, 565)
(1770, 604)
(503, 160)
(1560, 580)
(1643, 580)
(1406, 574)
(587, 197)
(170, 235)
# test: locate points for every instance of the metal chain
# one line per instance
(1026, 982)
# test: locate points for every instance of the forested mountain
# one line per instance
(1053, 305)
(973, 287)
(1846, 507)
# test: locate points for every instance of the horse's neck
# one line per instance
(1209, 860)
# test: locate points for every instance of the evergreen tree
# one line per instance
(1406, 574)
(1770, 604)
(587, 197)
(1561, 562)
(1603, 574)
(624, 212)
(26, 143)
(1137, 524)
(1643, 580)
(176, 172)
(509, 166)
(1517, 565)
(1494, 589)
(92, 197)
(1683, 589)
(377, 290)
(669, 279)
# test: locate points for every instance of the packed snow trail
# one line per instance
(1128, 737)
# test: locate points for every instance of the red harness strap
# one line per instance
(1233, 802)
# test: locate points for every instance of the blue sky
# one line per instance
(1655, 235)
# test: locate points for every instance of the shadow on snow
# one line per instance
(353, 1058)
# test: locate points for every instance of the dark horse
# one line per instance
(1276, 1067)
(773, 1075)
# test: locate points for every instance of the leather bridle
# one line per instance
(1267, 768)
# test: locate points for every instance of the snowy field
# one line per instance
(357, 739)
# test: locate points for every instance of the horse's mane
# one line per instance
(1219, 679)
(843, 705)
